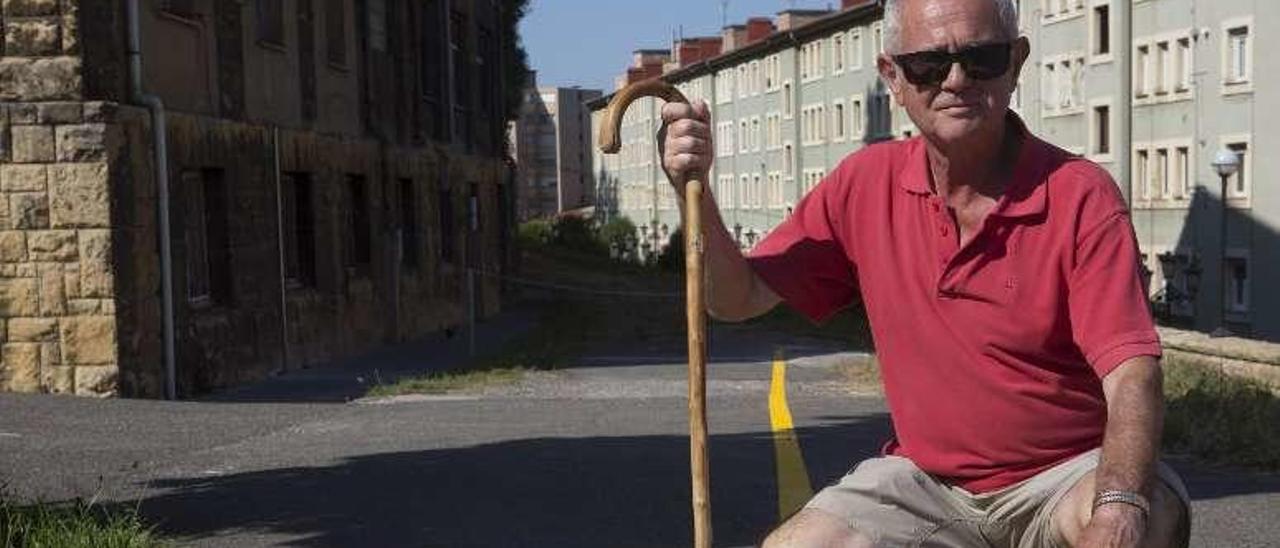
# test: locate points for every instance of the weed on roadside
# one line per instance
(1222, 419)
(76, 524)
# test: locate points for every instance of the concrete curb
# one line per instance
(1244, 358)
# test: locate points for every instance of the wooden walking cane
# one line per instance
(610, 143)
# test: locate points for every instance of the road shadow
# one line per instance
(597, 491)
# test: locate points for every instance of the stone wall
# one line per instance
(345, 312)
(57, 310)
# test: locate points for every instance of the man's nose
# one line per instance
(956, 78)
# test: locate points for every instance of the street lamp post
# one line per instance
(1226, 164)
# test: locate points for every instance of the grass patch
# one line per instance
(569, 323)
(78, 524)
(441, 382)
(1221, 419)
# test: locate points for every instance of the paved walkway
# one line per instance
(589, 456)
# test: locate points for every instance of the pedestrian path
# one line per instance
(344, 380)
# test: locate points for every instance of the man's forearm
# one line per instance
(730, 283)
(1135, 417)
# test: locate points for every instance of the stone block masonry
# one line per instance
(56, 276)
(57, 306)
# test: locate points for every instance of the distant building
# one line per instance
(788, 105)
(552, 143)
(334, 169)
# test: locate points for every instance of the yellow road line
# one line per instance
(793, 478)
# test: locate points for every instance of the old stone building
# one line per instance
(332, 169)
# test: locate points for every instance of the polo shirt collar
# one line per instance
(1026, 195)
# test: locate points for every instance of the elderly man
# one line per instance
(1000, 275)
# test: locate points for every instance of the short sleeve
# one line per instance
(803, 260)
(1110, 316)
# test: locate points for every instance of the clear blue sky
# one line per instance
(589, 42)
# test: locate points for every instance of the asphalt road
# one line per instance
(591, 456)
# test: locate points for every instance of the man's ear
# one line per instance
(1021, 51)
(889, 73)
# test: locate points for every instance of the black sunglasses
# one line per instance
(930, 68)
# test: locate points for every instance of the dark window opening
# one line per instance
(1102, 114)
(359, 231)
(461, 76)
(447, 240)
(433, 69)
(408, 224)
(335, 22)
(182, 8)
(1102, 30)
(299, 230)
(270, 21)
(208, 250)
(473, 208)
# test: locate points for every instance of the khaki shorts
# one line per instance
(896, 504)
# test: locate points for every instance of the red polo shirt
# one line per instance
(991, 354)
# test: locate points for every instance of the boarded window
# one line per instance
(299, 229)
(447, 240)
(408, 224)
(181, 8)
(208, 252)
(433, 69)
(335, 28)
(359, 231)
(270, 15)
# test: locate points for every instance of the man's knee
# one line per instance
(1167, 524)
(812, 527)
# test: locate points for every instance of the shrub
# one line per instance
(619, 236)
(535, 233)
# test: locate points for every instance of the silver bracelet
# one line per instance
(1123, 497)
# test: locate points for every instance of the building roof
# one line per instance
(869, 9)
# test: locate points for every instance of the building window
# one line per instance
(787, 160)
(837, 54)
(857, 127)
(1237, 272)
(433, 70)
(855, 46)
(473, 208)
(1239, 56)
(837, 119)
(335, 25)
(408, 224)
(208, 249)
(1183, 171)
(1238, 185)
(1102, 30)
(1102, 130)
(744, 136)
(877, 38)
(1142, 70)
(270, 15)
(447, 239)
(461, 75)
(787, 102)
(299, 229)
(1141, 171)
(1182, 65)
(185, 9)
(1162, 173)
(359, 231)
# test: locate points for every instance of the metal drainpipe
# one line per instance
(160, 160)
(280, 243)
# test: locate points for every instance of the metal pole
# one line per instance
(1222, 330)
(471, 312)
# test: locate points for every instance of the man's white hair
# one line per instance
(1007, 11)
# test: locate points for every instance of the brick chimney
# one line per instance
(791, 19)
(758, 28)
(733, 37)
(696, 49)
